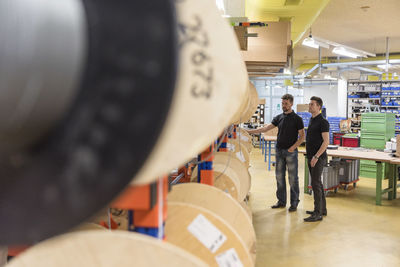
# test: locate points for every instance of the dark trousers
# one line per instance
(316, 184)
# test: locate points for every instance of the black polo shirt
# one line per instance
(288, 129)
(314, 140)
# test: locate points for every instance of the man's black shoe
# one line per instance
(292, 208)
(312, 212)
(313, 218)
(278, 205)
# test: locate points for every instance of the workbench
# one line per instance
(377, 156)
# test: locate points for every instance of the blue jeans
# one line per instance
(286, 159)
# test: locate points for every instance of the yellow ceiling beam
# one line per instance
(306, 66)
(302, 15)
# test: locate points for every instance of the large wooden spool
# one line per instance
(86, 226)
(104, 249)
(241, 170)
(245, 138)
(215, 200)
(201, 107)
(246, 207)
(252, 105)
(230, 175)
(126, 120)
(187, 224)
(240, 151)
(238, 118)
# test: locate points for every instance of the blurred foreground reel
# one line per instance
(78, 82)
(91, 99)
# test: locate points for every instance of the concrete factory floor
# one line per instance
(356, 232)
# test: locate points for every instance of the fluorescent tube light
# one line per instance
(329, 77)
(311, 42)
(287, 71)
(383, 66)
(345, 52)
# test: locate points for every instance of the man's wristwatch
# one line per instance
(315, 157)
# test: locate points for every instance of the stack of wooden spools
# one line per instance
(206, 225)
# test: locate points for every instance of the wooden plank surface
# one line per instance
(357, 154)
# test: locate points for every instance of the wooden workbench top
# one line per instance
(269, 137)
(348, 153)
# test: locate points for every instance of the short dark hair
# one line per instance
(288, 97)
(318, 100)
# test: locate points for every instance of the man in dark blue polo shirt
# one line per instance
(290, 136)
(316, 143)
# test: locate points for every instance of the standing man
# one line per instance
(290, 136)
(316, 143)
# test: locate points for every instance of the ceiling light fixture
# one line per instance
(314, 42)
(287, 71)
(340, 50)
(383, 66)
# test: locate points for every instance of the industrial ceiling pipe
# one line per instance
(93, 96)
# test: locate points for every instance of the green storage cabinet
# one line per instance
(383, 123)
(376, 130)
(368, 168)
(373, 140)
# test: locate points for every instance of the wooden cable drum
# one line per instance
(253, 103)
(246, 105)
(206, 235)
(230, 175)
(88, 226)
(237, 119)
(206, 94)
(240, 151)
(246, 138)
(103, 249)
(220, 203)
(237, 174)
(246, 207)
(121, 103)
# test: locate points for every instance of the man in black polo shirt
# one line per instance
(290, 136)
(316, 143)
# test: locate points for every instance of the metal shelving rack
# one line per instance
(387, 101)
(368, 99)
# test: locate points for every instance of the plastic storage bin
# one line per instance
(348, 171)
(350, 141)
(337, 138)
(329, 178)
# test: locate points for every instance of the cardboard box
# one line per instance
(345, 125)
(398, 146)
(271, 45)
(302, 107)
